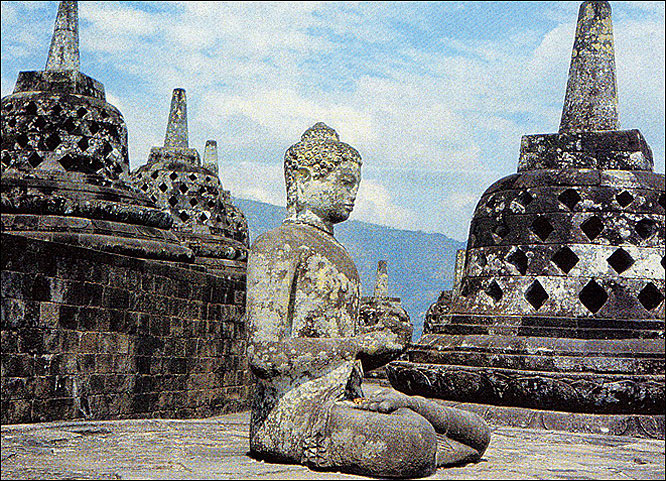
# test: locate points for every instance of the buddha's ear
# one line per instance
(303, 176)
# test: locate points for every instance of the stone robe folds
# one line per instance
(303, 285)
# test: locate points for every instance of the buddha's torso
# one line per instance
(325, 292)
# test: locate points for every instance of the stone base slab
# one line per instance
(580, 392)
(636, 425)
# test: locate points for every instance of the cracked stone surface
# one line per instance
(216, 448)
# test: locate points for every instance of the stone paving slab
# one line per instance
(216, 448)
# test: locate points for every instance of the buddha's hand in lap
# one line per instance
(383, 401)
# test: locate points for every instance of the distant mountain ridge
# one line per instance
(420, 265)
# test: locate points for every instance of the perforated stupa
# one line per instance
(561, 305)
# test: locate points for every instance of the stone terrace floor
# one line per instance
(216, 448)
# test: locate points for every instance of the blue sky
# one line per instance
(435, 96)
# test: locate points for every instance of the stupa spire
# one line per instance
(64, 50)
(176, 133)
(591, 102)
(381, 281)
(210, 156)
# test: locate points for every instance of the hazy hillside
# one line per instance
(420, 265)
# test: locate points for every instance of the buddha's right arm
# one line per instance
(273, 351)
(297, 356)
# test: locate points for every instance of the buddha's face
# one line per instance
(331, 197)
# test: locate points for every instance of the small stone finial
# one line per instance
(210, 156)
(381, 281)
(320, 131)
(64, 50)
(591, 100)
(459, 269)
(176, 134)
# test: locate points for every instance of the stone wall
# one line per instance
(88, 334)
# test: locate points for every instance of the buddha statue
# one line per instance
(309, 351)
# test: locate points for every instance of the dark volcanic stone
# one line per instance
(569, 250)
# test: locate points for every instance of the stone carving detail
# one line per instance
(569, 248)
(309, 350)
(65, 163)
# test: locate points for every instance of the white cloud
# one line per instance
(257, 75)
(375, 204)
(266, 184)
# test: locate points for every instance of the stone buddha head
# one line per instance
(322, 175)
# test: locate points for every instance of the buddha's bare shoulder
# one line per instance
(292, 237)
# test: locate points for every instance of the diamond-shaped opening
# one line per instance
(153, 198)
(646, 228)
(193, 201)
(592, 227)
(94, 165)
(144, 187)
(203, 217)
(193, 177)
(465, 289)
(69, 125)
(34, 159)
(183, 188)
(593, 296)
(173, 200)
(22, 140)
(53, 141)
(662, 201)
(501, 230)
(519, 260)
(154, 175)
(565, 259)
(163, 187)
(40, 123)
(482, 260)
(184, 216)
(494, 291)
(106, 148)
(542, 227)
(93, 127)
(67, 162)
(624, 198)
(207, 179)
(570, 198)
(31, 108)
(56, 109)
(81, 112)
(536, 295)
(83, 144)
(525, 198)
(173, 176)
(620, 260)
(211, 203)
(650, 297)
